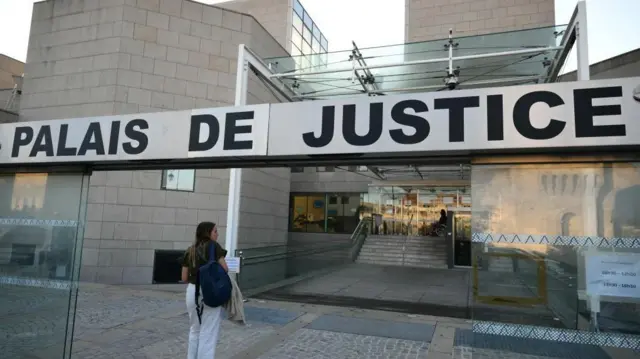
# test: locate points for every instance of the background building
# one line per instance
(11, 71)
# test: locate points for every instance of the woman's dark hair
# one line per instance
(443, 212)
(203, 235)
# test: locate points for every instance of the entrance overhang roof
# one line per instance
(499, 59)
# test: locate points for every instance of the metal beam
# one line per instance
(428, 87)
(426, 61)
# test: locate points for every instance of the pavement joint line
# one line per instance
(271, 341)
(442, 340)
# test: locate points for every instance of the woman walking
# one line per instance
(204, 331)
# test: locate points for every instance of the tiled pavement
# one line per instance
(117, 322)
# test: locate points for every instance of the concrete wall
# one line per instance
(92, 58)
(274, 15)
(431, 19)
(9, 67)
(339, 181)
(5, 96)
(8, 116)
(624, 65)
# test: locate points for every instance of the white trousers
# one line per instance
(202, 337)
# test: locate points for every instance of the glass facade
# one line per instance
(325, 212)
(41, 230)
(309, 47)
(410, 210)
(556, 252)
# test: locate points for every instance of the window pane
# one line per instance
(296, 38)
(343, 212)
(307, 20)
(178, 180)
(315, 216)
(297, 169)
(297, 7)
(316, 32)
(326, 169)
(324, 43)
(306, 48)
(295, 51)
(298, 215)
(297, 22)
(306, 34)
(316, 46)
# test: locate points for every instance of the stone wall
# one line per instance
(431, 19)
(93, 58)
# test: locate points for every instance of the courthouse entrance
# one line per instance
(551, 199)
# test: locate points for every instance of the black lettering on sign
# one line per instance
(92, 140)
(21, 137)
(43, 142)
(231, 129)
(326, 130)
(495, 118)
(349, 125)
(63, 150)
(114, 137)
(585, 111)
(418, 123)
(132, 131)
(194, 135)
(456, 106)
(522, 116)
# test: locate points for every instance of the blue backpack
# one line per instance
(214, 282)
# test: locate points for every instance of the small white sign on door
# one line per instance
(234, 264)
(613, 275)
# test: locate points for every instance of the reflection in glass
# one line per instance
(296, 38)
(297, 22)
(297, 7)
(306, 34)
(40, 246)
(568, 210)
(413, 209)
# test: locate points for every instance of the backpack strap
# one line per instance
(212, 258)
(212, 252)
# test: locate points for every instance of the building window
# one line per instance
(297, 22)
(316, 32)
(325, 212)
(306, 34)
(297, 7)
(307, 20)
(296, 38)
(297, 169)
(324, 43)
(179, 180)
(326, 169)
(308, 213)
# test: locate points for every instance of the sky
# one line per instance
(613, 24)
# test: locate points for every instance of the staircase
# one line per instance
(421, 252)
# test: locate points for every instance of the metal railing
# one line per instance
(263, 266)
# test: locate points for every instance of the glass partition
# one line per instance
(41, 222)
(411, 209)
(556, 255)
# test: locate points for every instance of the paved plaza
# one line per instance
(119, 322)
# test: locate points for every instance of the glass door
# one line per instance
(41, 222)
(462, 239)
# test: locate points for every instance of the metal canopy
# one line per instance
(498, 59)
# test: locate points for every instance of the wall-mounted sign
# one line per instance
(318, 203)
(216, 132)
(614, 275)
(569, 114)
(559, 115)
